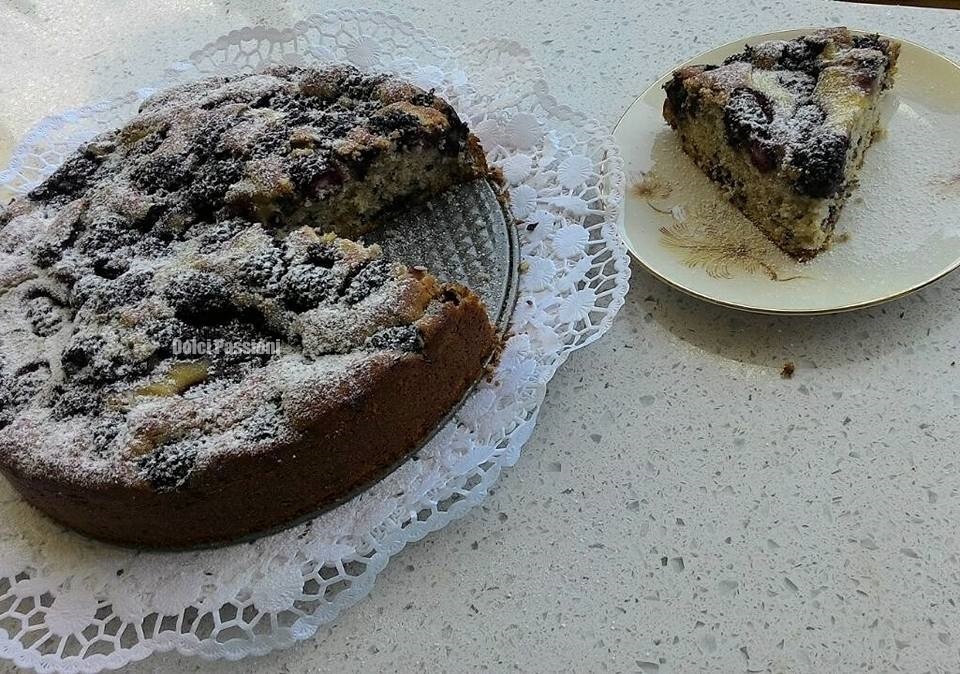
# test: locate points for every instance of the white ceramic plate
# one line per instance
(901, 226)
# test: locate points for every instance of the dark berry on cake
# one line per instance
(370, 278)
(45, 313)
(68, 180)
(398, 338)
(820, 164)
(169, 466)
(199, 297)
(305, 286)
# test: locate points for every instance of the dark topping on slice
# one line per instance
(323, 255)
(872, 41)
(271, 142)
(45, 253)
(868, 68)
(29, 380)
(392, 120)
(19, 388)
(206, 192)
(145, 135)
(100, 359)
(676, 96)
(161, 172)
(88, 358)
(205, 141)
(747, 55)
(100, 295)
(105, 234)
(113, 266)
(80, 353)
(452, 296)
(164, 332)
(803, 55)
(679, 103)
(7, 409)
(263, 271)
(105, 430)
(211, 236)
(47, 249)
(820, 161)
(747, 116)
(75, 400)
(313, 174)
(763, 154)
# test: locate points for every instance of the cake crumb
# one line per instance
(788, 369)
(649, 185)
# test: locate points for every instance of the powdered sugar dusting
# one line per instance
(164, 234)
(729, 77)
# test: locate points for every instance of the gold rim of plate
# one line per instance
(654, 91)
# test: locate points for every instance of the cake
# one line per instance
(193, 346)
(782, 127)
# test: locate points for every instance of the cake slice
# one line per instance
(783, 125)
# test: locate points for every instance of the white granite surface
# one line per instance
(681, 507)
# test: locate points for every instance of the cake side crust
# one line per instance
(349, 440)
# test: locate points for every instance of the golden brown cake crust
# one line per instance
(312, 364)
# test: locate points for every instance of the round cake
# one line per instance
(194, 348)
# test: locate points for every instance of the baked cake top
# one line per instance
(258, 146)
(179, 229)
(792, 105)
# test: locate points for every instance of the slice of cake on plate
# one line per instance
(783, 125)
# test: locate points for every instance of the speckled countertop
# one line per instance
(681, 507)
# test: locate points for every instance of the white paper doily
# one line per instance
(73, 605)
